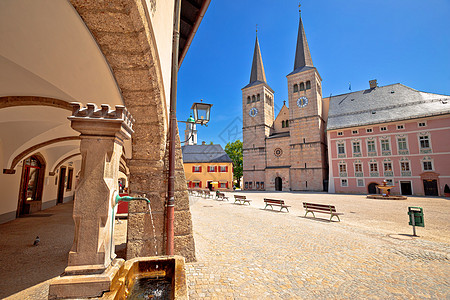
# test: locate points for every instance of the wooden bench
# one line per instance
(321, 208)
(221, 196)
(275, 202)
(241, 199)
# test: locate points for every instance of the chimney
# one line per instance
(373, 83)
(203, 143)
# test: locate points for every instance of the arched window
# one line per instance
(287, 123)
(258, 97)
(302, 86)
(308, 85)
(253, 98)
(248, 99)
(282, 124)
(295, 88)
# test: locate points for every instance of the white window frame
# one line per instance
(400, 126)
(355, 131)
(197, 169)
(375, 163)
(344, 182)
(358, 180)
(384, 166)
(406, 143)
(211, 169)
(369, 130)
(388, 144)
(342, 168)
(353, 147)
(374, 145)
(340, 144)
(340, 133)
(428, 140)
(358, 163)
(422, 122)
(427, 159)
(224, 169)
(383, 128)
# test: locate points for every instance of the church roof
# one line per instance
(303, 60)
(204, 154)
(389, 103)
(257, 75)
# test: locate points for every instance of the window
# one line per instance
(282, 124)
(383, 128)
(373, 167)
(404, 165)
(387, 166)
(196, 169)
(262, 185)
(360, 182)
(389, 182)
(246, 185)
(295, 88)
(344, 182)
(248, 99)
(212, 169)
(342, 168)
(258, 98)
(253, 98)
(354, 131)
(250, 185)
(424, 142)
(358, 168)
(369, 130)
(400, 127)
(308, 85)
(371, 146)
(224, 185)
(427, 164)
(422, 124)
(197, 184)
(223, 169)
(356, 147)
(340, 133)
(287, 123)
(302, 86)
(402, 145)
(257, 185)
(385, 145)
(341, 148)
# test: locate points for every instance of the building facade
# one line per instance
(391, 133)
(286, 153)
(207, 166)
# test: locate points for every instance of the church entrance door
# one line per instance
(278, 184)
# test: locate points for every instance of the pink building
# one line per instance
(392, 133)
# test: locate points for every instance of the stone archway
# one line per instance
(125, 36)
(372, 188)
(278, 184)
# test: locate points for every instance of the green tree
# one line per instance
(234, 151)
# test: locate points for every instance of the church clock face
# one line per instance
(253, 112)
(302, 102)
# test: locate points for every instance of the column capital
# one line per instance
(93, 121)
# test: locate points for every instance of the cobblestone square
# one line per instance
(246, 252)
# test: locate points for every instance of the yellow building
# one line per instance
(207, 166)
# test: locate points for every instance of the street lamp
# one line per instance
(201, 112)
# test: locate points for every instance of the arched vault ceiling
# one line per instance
(46, 50)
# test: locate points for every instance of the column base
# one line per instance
(84, 286)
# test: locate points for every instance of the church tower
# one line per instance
(258, 116)
(307, 126)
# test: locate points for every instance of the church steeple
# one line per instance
(302, 54)
(257, 66)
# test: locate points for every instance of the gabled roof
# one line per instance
(389, 103)
(303, 60)
(204, 154)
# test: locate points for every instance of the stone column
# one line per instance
(102, 135)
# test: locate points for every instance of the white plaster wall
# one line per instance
(161, 14)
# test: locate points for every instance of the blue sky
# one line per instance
(405, 41)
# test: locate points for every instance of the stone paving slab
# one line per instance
(245, 252)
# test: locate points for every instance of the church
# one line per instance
(288, 152)
(348, 143)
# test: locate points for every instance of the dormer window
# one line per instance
(295, 88)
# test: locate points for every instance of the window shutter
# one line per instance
(200, 169)
(226, 168)
(200, 183)
(226, 185)
(193, 169)
(215, 168)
